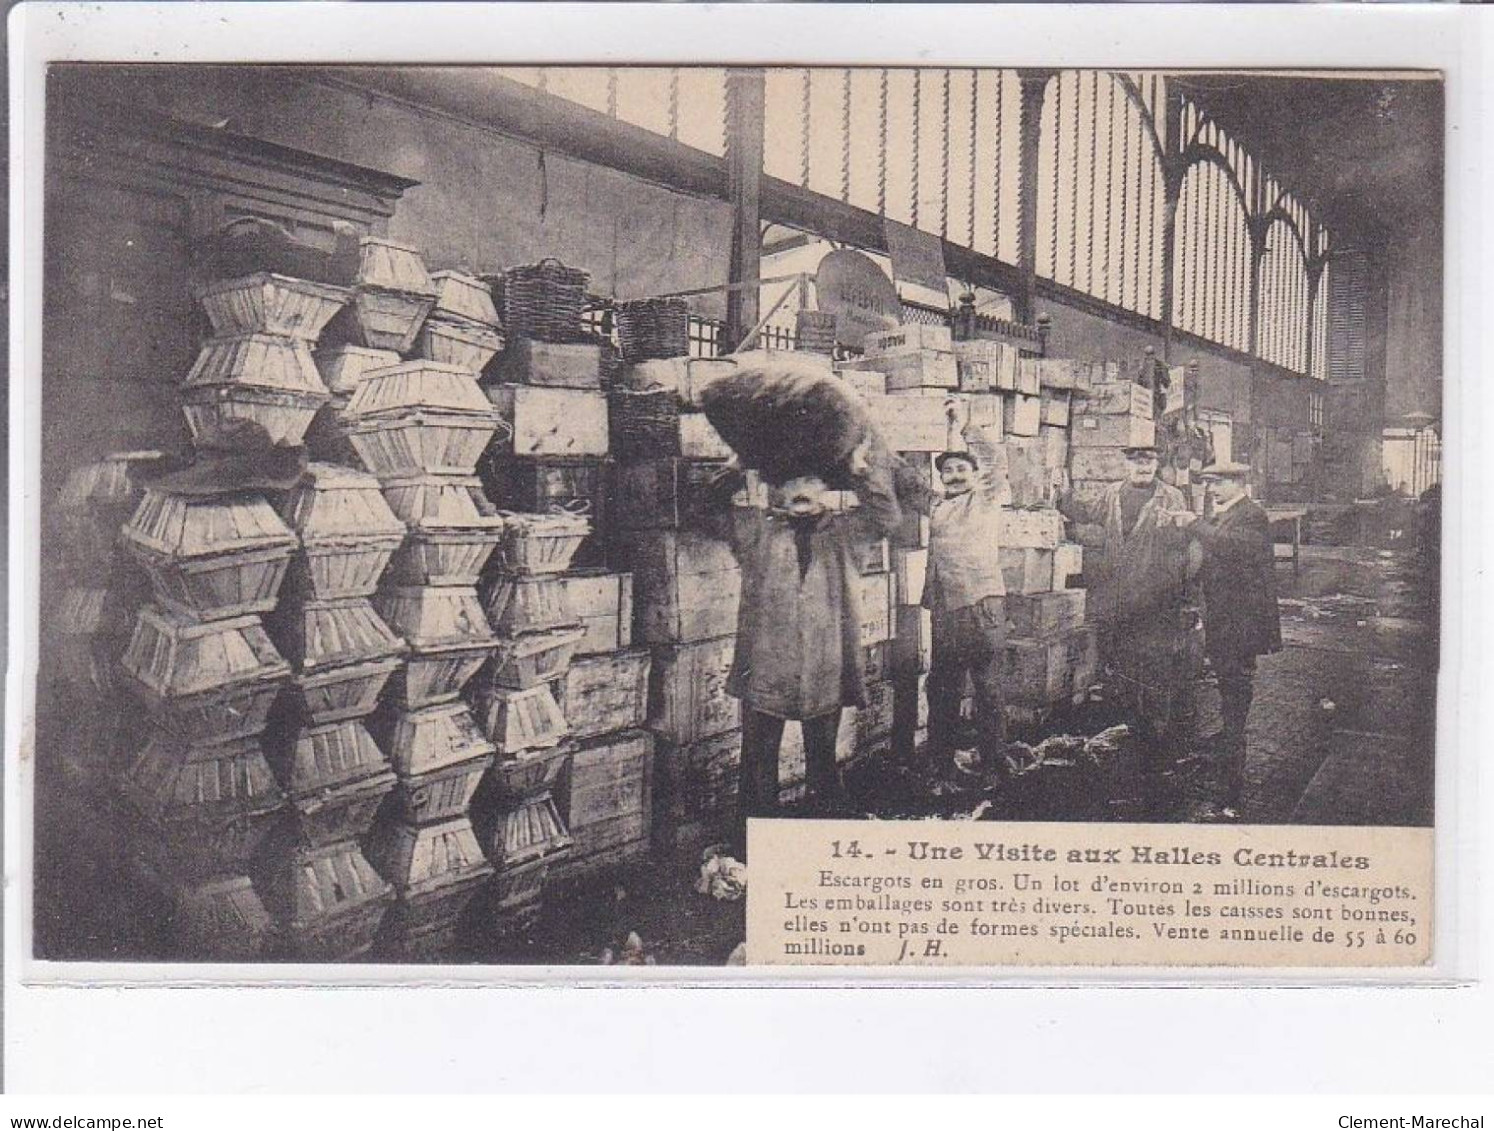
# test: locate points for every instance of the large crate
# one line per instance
(548, 485)
(916, 370)
(1055, 405)
(1043, 614)
(554, 365)
(606, 800)
(602, 694)
(1106, 465)
(695, 784)
(602, 603)
(687, 691)
(685, 587)
(987, 366)
(1026, 570)
(1059, 373)
(1112, 430)
(1034, 529)
(1021, 415)
(1122, 398)
(552, 422)
(661, 494)
(1051, 671)
(909, 336)
(911, 424)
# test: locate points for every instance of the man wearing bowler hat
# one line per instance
(1139, 601)
(1241, 618)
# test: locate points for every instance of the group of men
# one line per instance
(799, 655)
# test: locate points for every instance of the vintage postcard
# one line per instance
(690, 516)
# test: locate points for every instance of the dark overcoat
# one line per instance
(1241, 618)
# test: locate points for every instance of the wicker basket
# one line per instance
(527, 661)
(271, 304)
(335, 778)
(329, 902)
(544, 300)
(653, 328)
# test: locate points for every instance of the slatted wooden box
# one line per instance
(687, 691)
(685, 587)
(606, 799)
(602, 694)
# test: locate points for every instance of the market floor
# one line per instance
(1340, 732)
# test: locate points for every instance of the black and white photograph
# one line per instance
(472, 494)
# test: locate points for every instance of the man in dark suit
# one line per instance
(1241, 620)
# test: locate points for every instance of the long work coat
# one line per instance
(798, 651)
(1241, 618)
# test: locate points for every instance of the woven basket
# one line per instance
(543, 300)
(652, 328)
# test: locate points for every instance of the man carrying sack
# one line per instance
(1241, 618)
(798, 651)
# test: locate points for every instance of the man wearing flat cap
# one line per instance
(1139, 601)
(1241, 619)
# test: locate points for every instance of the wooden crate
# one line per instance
(911, 424)
(606, 798)
(874, 557)
(987, 366)
(911, 568)
(602, 694)
(695, 783)
(1026, 570)
(685, 587)
(661, 494)
(873, 723)
(552, 422)
(909, 336)
(602, 602)
(1031, 529)
(528, 361)
(1021, 415)
(1068, 564)
(1103, 465)
(1054, 404)
(878, 599)
(1059, 372)
(686, 377)
(910, 372)
(1052, 671)
(1115, 430)
(867, 382)
(687, 691)
(1042, 614)
(1114, 398)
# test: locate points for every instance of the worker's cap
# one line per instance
(1228, 469)
(1140, 450)
(944, 457)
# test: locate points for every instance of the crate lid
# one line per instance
(326, 634)
(332, 501)
(419, 384)
(344, 368)
(172, 779)
(461, 295)
(431, 738)
(189, 526)
(270, 279)
(315, 883)
(429, 855)
(446, 501)
(327, 757)
(435, 617)
(267, 361)
(108, 480)
(174, 655)
(395, 266)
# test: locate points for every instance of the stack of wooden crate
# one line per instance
(686, 586)
(1110, 413)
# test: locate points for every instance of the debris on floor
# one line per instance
(722, 876)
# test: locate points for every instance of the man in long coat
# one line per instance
(1139, 601)
(798, 651)
(1241, 617)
